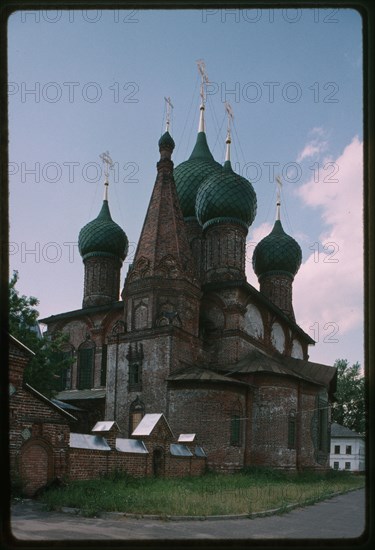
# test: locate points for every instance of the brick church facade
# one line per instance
(191, 339)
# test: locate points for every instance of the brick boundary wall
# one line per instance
(91, 464)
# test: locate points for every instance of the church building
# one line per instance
(190, 338)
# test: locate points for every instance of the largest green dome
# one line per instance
(103, 237)
(190, 174)
(226, 197)
(277, 253)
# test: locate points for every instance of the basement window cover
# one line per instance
(85, 441)
(131, 446)
(200, 452)
(180, 450)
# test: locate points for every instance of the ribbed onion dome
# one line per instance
(190, 174)
(166, 141)
(226, 197)
(103, 237)
(277, 253)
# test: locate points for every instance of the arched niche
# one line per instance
(278, 337)
(297, 350)
(253, 323)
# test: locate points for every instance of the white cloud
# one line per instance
(314, 148)
(309, 150)
(329, 285)
(328, 289)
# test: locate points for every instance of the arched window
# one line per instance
(136, 413)
(86, 358)
(135, 358)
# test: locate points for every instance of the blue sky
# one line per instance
(83, 82)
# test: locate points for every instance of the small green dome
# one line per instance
(190, 174)
(226, 197)
(166, 141)
(103, 237)
(278, 252)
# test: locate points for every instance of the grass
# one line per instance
(253, 490)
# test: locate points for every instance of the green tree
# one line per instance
(349, 408)
(46, 368)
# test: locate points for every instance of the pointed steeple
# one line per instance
(201, 150)
(163, 248)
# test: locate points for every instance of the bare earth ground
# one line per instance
(341, 517)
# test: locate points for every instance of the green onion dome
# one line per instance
(166, 141)
(278, 253)
(190, 174)
(226, 197)
(103, 237)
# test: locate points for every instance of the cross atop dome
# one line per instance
(204, 81)
(108, 163)
(169, 108)
(228, 141)
(278, 199)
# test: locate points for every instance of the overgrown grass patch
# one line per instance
(212, 494)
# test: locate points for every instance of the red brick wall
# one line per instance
(207, 412)
(18, 360)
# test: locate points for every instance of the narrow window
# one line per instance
(323, 425)
(135, 382)
(292, 430)
(348, 449)
(347, 466)
(86, 355)
(235, 429)
(337, 449)
(335, 465)
(103, 370)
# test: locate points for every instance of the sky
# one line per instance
(82, 82)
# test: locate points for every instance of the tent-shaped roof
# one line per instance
(105, 426)
(148, 424)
